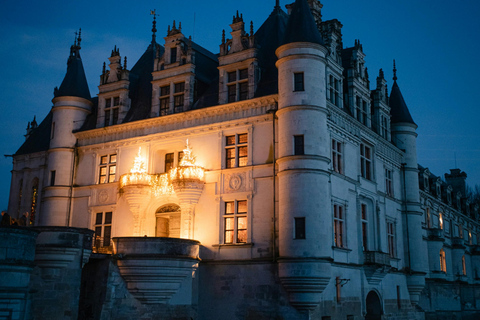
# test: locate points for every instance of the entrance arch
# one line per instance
(374, 307)
(167, 221)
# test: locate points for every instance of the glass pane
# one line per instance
(243, 74)
(242, 162)
(231, 153)
(243, 138)
(242, 151)
(242, 206)
(111, 178)
(104, 160)
(230, 163)
(243, 91)
(165, 91)
(229, 224)
(230, 140)
(241, 223)
(116, 101)
(112, 169)
(232, 93)
(99, 217)
(242, 236)
(229, 208)
(108, 217)
(179, 87)
(103, 179)
(98, 231)
(108, 103)
(103, 171)
(232, 76)
(113, 158)
(229, 236)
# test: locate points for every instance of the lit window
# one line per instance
(337, 156)
(364, 227)
(108, 166)
(299, 81)
(338, 225)
(237, 85)
(470, 238)
(440, 220)
(460, 231)
(235, 222)
(299, 145)
(391, 239)
(389, 182)
(300, 228)
(164, 100)
(169, 160)
(443, 262)
(33, 204)
(103, 231)
(464, 266)
(236, 150)
(112, 106)
(366, 161)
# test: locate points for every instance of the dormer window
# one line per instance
(112, 106)
(164, 100)
(173, 55)
(449, 196)
(179, 97)
(334, 90)
(361, 110)
(426, 185)
(237, 85)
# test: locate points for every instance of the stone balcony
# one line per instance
(458, 243)
(376, 258)
(435, 234)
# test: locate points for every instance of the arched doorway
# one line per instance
(374, 307)
(168, 221)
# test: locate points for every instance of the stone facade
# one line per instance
(267, 182)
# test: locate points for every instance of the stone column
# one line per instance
(188, 192)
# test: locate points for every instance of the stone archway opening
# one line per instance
(167, 219)
(374, 307)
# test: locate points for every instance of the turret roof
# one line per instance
(75, 82)
(301, 25)
(398, 107)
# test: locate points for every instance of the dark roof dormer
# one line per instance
(75, 82)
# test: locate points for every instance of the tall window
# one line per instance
(33, 206)
(164, 100)
(236, 150)
(364, 227)
(179, 97)
(440, 220)
(299, 144)
(460, 231)
(389, 182)
(52, 177)
(443, 262)
(237, 85)
(235, 222)
(300, 228)
(108, 167)
(338, 225)
(384, 127)
(337, 156)
(299, 81)
(366, 161)
(428, 219)
(103, 229)
(464, 266)
(173, 55)
(169, 160)
(112, 106)
(334, 88)
(52, 133)
(391, 239)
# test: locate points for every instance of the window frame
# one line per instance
(391, 239)
(238, 146)
(443, 261)
(299, 226)
(237, 84)
(298, 81)
(389, 182)
(109, 165)
(366, 161)
(334, 87)
(299, 145)
(111, 111)
(364, 224)
(234, 216)
(337, 156)
(339, 234)
(102, 225)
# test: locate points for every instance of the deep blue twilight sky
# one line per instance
(435, 43)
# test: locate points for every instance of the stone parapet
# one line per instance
(17, 251)
(158, 269)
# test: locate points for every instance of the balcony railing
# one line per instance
(376, 257)
(102, 245)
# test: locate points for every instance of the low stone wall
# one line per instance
(17, 251)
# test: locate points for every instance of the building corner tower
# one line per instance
(303, 161)
(404, 137)
(71, 105)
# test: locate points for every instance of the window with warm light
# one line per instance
(443, 262)
(103, 230)
(464, 266)
(164, 100)
(440, 220)
(339, 225)
(236, 150)
(235, 222)
(107, 168)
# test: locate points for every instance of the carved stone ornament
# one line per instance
(235, 182)
(102, 196)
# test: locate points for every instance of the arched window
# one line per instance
(464, 266)
(443, 262)
(440, 220)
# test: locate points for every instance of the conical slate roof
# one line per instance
(75, 82)
(398, 107)
(301, 25)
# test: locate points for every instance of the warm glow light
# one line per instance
(161, 183)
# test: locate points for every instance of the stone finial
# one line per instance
(79, 39)
(125, 63)
(381, 74)
(238, 18)
(223, 36)
(277, 4)
(104, 68)
(394, 71)
(251, 28)
(154, 25)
